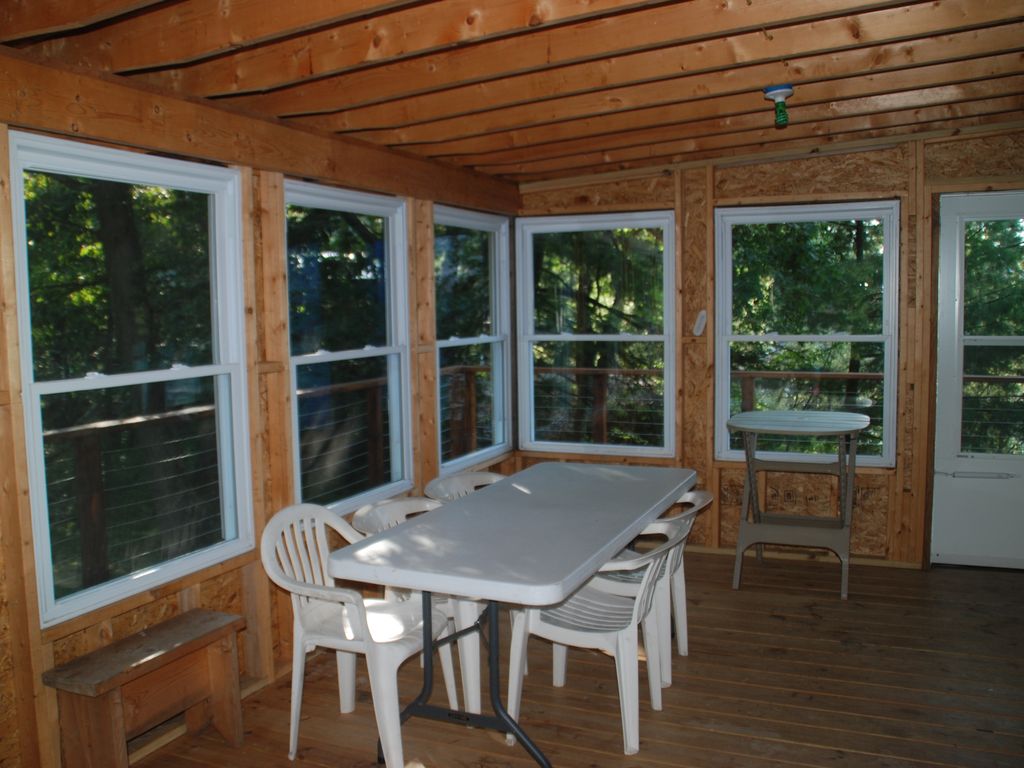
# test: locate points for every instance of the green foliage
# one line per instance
(462, 275)
(337, 280)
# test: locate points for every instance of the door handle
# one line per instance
(979, 475)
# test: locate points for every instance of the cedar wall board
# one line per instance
(9, 741)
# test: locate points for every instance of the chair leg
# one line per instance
(627, 670)
(298, 672)
(559, 658)
(653, 651)
(384, 691)
(678, 589)
(346, 681)
(516, 664)
(466, 613)
(448, 670)
(662, 611)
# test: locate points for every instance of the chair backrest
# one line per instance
(374, 518)
(456, 486)
(656, 560)
(294, 549)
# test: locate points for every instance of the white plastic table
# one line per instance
(531, 539)
(757, 526)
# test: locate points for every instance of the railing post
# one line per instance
(469, 409)
(746, 391)
(375, 433)
(599, 414)
(92, 524)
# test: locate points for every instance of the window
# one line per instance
(130, 315)
(471, 296)
(596, 356)
(806, 316)
(349, 343)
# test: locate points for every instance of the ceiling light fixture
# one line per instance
(779, 94)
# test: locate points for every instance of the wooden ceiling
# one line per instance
(542, 91)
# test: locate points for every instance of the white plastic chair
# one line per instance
(456, 486)
(373, 518)
(594, 618)
(465, 612)
(294, 549)
(670, 599)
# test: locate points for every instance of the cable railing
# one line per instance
(124, 493)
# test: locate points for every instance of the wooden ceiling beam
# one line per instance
(21, 19)
(944, 103)
(720, 55)
(541, 50)
(796, 70)
(394, 36)
(68, 103)
(176, 33)
(901, 88)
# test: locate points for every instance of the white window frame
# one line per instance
(888, 211)
(526, 228)
(30, 152)
(396, 351)
(498, 227)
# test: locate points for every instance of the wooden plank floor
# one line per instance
(916, 669)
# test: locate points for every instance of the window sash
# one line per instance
(395, 353)
(35, 153)
(501, 407)
(887, 211)
(529, 337)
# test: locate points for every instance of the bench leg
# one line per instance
(92, 730)
(225, 698)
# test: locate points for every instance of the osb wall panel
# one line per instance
(623, 195)
(869, 534)
(730, 501)
(877, 172)
(988, 156)
(793, 493)
(695, 353)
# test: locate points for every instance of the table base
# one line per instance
(501, 720)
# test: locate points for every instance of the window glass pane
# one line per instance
(126, 266)
(599, 392)
(605, 281)
(994, 278)
(337, 282)
(467, 399)
(132, 478)
(344, 428)
(993, 400)
(462, 274)
(817, 277)
(836, 376)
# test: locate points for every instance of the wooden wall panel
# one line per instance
(990, 157)
(872, 501)
(872, 174)
(625, 195)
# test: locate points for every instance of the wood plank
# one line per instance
(764, 695)
(174, 33)
(844, 97)
(44, 17)
(998, 98)
(716, 63)
(405, 32)
(36, 96)
(671, 24)
(798, 70)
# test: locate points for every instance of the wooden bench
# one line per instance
(188, 664)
